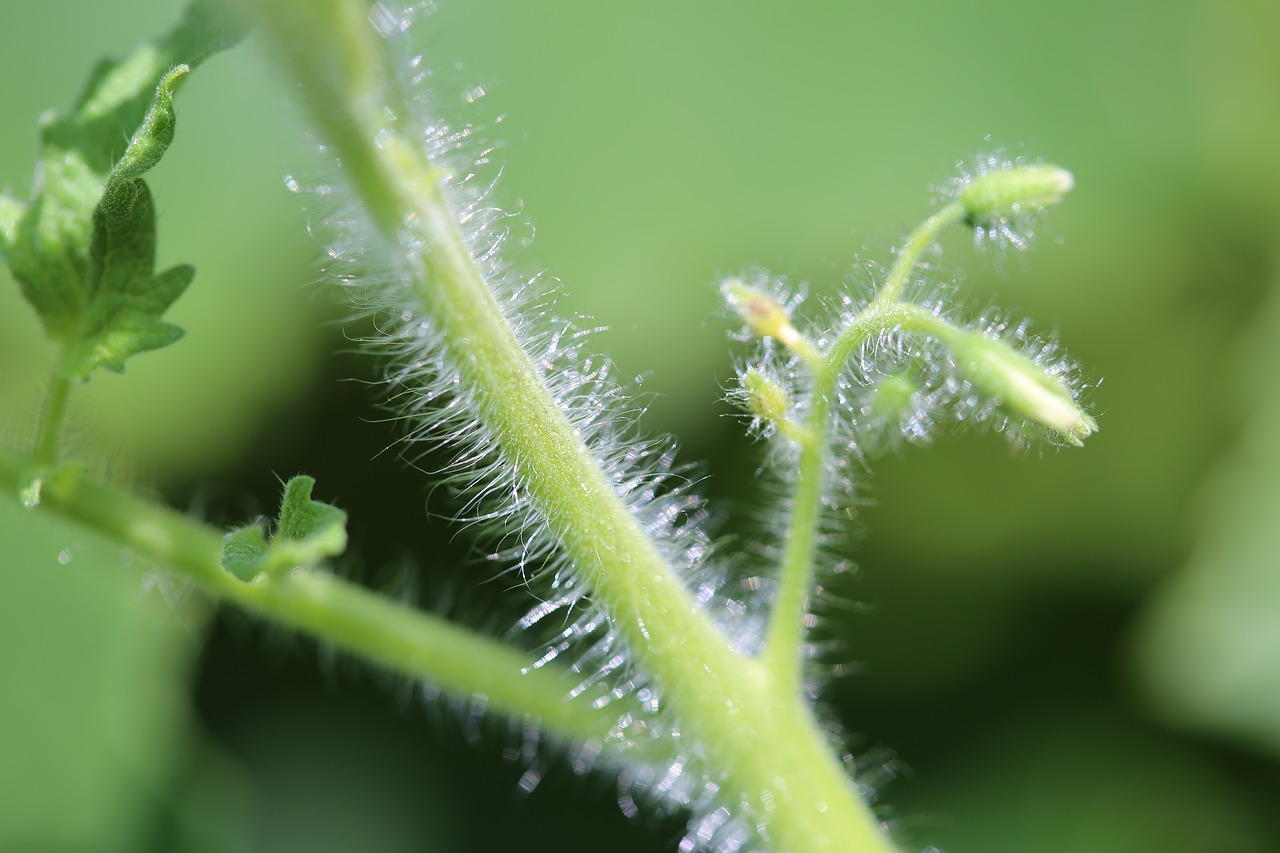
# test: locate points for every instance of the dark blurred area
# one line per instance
(1050, 651)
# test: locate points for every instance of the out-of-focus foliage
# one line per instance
(94, 726)
(1210, 649)
(655, 148)
(1084, 784)
(205, 400)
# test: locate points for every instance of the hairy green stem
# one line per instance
(909, 255)
(765, 742)
(783, 653)
(405, 641)
(784, 643)
(51, 419)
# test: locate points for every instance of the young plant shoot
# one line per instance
(639, 653)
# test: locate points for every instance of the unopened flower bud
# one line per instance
(763, 396)
(763, 314)
(1020, 385)
(892, 395)
(1002, 199)
(1014, 190)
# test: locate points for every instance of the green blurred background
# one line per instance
(1065, 651)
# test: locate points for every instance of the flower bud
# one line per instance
(1010, 191)
(763, 396)
(763, 314)
(892, 396)
(1020, 385)
(1003, 198)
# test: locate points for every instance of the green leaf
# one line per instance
(244, 550)
(11, 211)
(126, 297)
(153, 136)
(302, 520)
(307, 531)
(83, 248)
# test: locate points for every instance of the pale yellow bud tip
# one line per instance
(763, 314)
(1044, 400)
(1021, 386)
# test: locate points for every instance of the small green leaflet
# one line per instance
(125, 297)
(83, 248)
(307, 531)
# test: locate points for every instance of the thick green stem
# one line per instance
(765, 744)
(404, 640)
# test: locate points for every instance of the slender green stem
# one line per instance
(51, 418)
(919, 240)
(406, 641)
(783, 650)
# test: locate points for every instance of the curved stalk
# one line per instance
(784, 643)
(909, 255)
